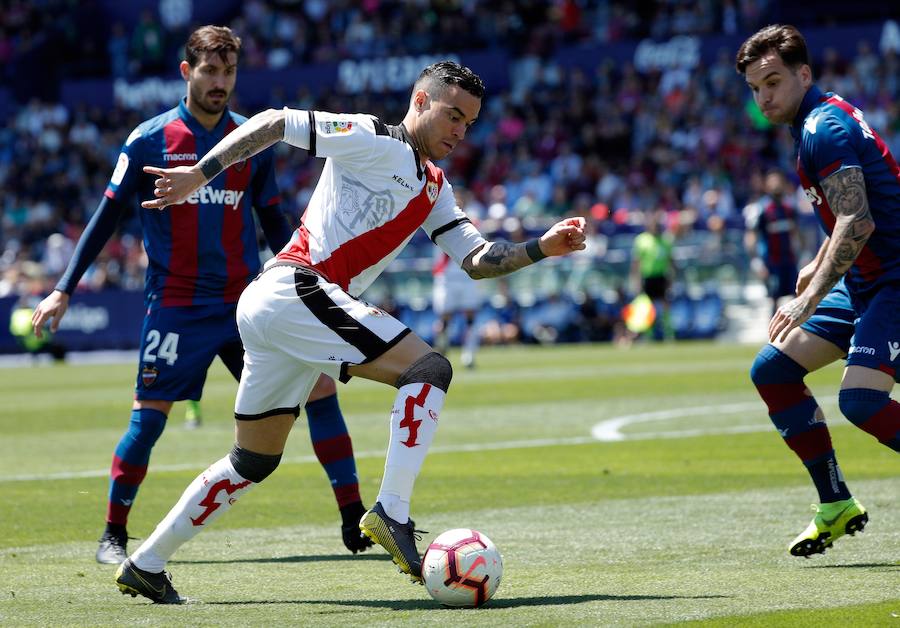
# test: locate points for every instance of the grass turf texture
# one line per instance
(647, 530)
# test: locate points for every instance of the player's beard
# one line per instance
(204, 102)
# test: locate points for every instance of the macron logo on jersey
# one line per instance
(180, 157)
(206, 195)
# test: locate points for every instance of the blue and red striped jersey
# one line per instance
(830, 134)
(204, 250)
(776, 226)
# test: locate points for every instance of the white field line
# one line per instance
(605, 431)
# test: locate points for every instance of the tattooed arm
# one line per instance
(501, 258)
(255, 135)
(845, 191)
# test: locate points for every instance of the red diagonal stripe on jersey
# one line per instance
(234, 223)
(367, 249)
(184, 224)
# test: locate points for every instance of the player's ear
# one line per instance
(185, 69)
(420, 100)
(805, 75)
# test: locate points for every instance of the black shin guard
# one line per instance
(432, 368)
(252, 466)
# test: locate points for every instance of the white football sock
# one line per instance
(205, 499)
(414, 420)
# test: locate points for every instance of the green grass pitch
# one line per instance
(681, 511)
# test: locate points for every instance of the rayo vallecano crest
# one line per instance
(360, 209)
(431, 189)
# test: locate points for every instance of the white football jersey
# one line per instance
(370, 199)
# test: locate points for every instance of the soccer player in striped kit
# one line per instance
(302, 315)
(848, 297)
(772, 234)
(201, 255)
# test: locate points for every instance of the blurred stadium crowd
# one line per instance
(611, 145)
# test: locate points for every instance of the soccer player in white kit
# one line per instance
(302, 315)
(453, 291)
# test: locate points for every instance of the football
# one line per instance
(462, 567)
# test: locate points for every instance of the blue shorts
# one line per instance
(179, 343)
(782, 280)
(869, 333)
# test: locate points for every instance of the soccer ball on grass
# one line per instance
(462, 567)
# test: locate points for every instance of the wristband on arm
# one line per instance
(533, 249)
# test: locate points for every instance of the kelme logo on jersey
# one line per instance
(327, 127)
(207, 195)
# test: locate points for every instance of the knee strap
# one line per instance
(252, 466)
(432, 368)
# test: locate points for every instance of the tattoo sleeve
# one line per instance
(845, 191)
(495, 259)
(252, 137)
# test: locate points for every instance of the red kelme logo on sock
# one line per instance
(409, 419)
(209, 502)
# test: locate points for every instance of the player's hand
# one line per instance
(173, 185)
(804, 276)
(564, 237)
(790, 315)
(52, 308)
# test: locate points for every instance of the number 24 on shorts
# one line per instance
(168, 348)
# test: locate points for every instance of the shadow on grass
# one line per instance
(514, 602)
(315, 558)
(875, 566)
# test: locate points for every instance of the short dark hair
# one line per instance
(445, 73)
(783, 39)
(207, 39)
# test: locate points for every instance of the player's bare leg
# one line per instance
(256, 454)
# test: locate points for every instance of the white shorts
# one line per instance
(295, 325)
(455, 295)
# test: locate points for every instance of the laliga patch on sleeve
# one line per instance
(331, 127)
(121, 168)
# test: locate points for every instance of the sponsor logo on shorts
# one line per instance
(866, 350)
(148, 375)
(894, 348)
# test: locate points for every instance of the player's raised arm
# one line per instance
(176, 184)
(494, 259)
(845, 191)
